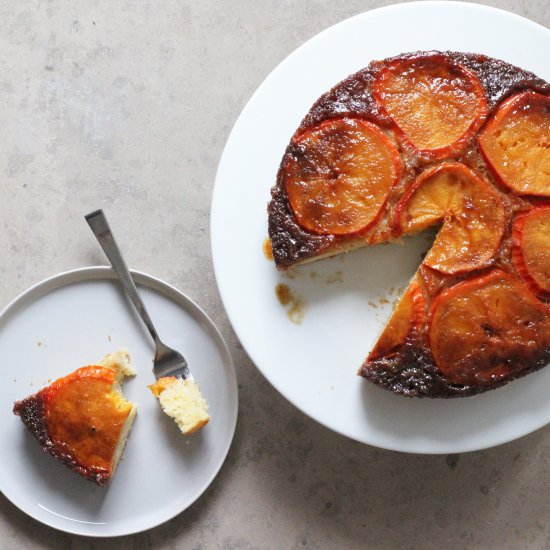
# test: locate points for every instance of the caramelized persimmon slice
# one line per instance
(437, 104)
(531, 248)
(407, 318)
(488, 328)
(338, 175)
(85, 415)
(516, 143)
(471, 211)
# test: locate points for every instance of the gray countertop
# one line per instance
(127, 105)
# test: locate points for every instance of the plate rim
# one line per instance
(438, 4)
(98, 273)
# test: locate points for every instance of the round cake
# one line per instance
(456, 141)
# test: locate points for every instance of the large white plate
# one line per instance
(313, 364)
(71, 320)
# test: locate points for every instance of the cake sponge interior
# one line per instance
(120, 363)
(182, 400)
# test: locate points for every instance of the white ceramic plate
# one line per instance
(71, 320)
(313, 364)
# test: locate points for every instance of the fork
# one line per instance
(167, 361)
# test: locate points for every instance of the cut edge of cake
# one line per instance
(120, 362)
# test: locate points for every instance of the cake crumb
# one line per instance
(383, 301)
(296, 312)
(372, 304)
(182, 401)
(39, 343)
(290, 274)
(337, 277)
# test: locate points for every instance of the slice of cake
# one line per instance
(182, 400)
(83, 419)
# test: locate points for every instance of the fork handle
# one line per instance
(100, 228)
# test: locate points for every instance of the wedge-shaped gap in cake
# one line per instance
(470, 211)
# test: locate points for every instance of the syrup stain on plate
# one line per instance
(268, 251)
(293, 303)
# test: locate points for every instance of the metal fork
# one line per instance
(167, 362)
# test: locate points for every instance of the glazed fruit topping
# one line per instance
(407, 319)
(488, 328)
(338, 175)
(470, 210)
(516, 143)
(85, 415)
(437, 104)
(531, 248)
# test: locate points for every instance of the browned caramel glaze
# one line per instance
(408, 366)
(78, 419)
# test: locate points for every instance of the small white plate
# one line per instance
(71, 320)
(313, 364)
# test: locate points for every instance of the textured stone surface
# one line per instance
(127, 105)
